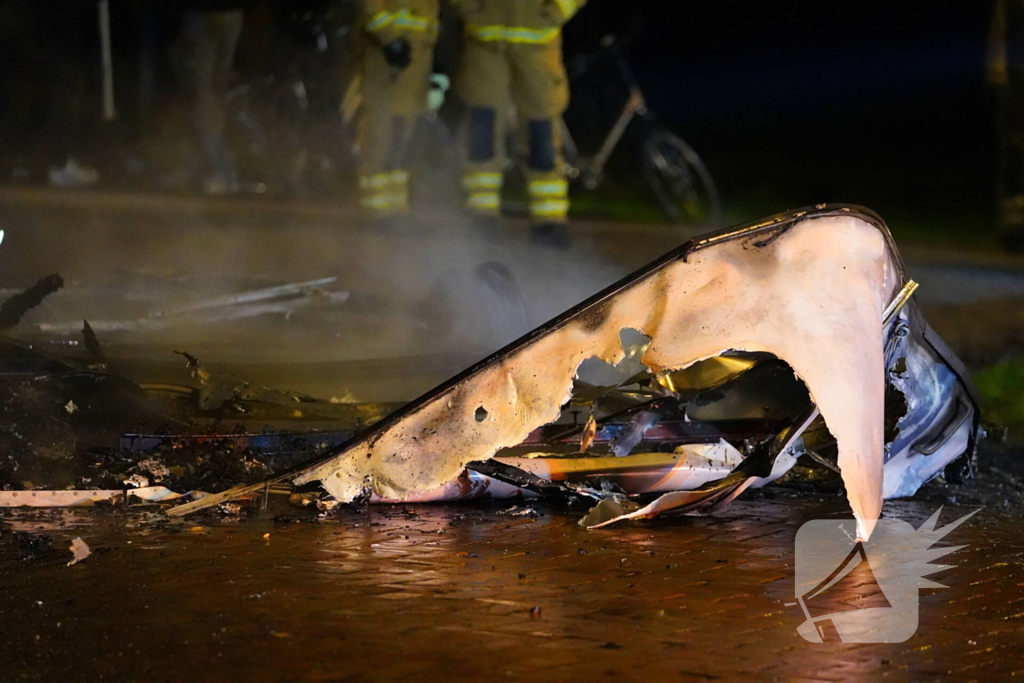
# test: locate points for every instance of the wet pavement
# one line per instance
(459, 592)
(453, 592)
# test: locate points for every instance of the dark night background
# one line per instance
(877, 103)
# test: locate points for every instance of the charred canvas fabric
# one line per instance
(793, 335)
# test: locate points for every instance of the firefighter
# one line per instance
(397, 58)
(513, 57)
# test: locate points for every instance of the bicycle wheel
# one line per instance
(681, 182)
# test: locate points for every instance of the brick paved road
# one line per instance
(446, 592)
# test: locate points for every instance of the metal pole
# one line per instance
(103, 7)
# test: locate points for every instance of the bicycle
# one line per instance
(679, 179)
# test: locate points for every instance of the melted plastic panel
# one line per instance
(940, 415)
(814, 297)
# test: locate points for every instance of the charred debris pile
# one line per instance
(792, 344)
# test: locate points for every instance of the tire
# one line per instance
(681, 183)
(473, 311)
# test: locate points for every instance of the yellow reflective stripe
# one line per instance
(568, 7)
(549, 188)
(525, 35)
(377, 180)
(550, 207)
(530, 36)
(401, 19)
(379, 20)
(475, 181)
(484, 200)
(377, 201)
(405, 19)
(513, 34)
(486, 32)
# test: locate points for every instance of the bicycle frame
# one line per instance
(635, 105)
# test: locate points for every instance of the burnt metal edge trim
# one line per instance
(780, 222)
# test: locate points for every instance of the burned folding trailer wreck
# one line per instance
(709, 371)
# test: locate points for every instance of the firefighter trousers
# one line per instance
(393, 100)
(493, 78)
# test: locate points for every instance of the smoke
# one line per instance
(433, 285)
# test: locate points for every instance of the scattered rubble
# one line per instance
(277, 300)
(517, 511)
(79, 551)
(14, 308)
(66, 426)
